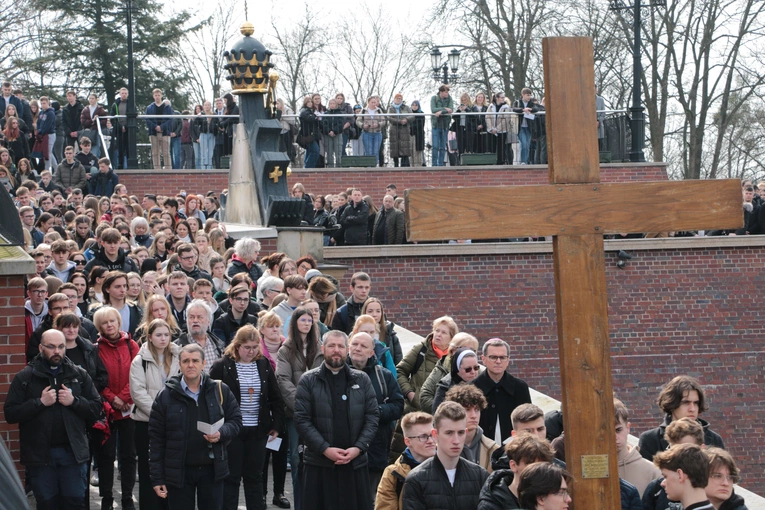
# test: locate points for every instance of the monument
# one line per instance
(577, 210)
(257, 190)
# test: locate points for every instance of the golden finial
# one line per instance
(247, 29)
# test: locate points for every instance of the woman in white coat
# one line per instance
(157, 360)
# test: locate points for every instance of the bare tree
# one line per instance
(15, 36)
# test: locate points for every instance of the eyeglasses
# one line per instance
(562, 493)
(55, 348)
(423, 438)
(470, 369)
(249, 348)
(240, 299)
(497, 358)
(190, 257)
(719, 477)
(39, 291)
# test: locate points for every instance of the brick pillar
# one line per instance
(12, 358)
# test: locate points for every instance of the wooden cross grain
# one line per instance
(577, 210)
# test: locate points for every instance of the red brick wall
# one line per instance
(373, 181)
(691, 311)
(12, 358)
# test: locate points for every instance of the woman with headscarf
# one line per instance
(464, 368)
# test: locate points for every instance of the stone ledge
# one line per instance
(434, 250)
(15, 261)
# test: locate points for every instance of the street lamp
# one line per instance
(441, 68)
(131, 111)
(637, 117)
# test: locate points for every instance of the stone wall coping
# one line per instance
(435, 250)
(15, 261)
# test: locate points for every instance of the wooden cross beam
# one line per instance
(577, 210)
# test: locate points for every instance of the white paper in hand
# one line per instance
(274, 444)
(206, 428)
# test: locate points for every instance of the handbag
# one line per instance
(305, 140)
(40, 147)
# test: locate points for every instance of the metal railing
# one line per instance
(477, 147)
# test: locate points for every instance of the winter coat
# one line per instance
(319, 218)
(290, 367)
(309, 123)
(33, 344)
(20, 149)
(486, 448)
(427, 486)
(313, 414)
(393, 343)
(146, 380)
(399, 140)
(122, 263)
(655, 497)
(734, 502)
(136, 316)
(395, 224)
(103, 184)
(439, 104)
(169, 429)
(417, 130)
(495, 493)
(93, 364)
(345, 316)
(236, 266)
(46, 122)
(371, 123)
(635, 469)
(225, 326)
(23, 406)
(391, 487)
(333, 124)
(117, 358)
(165, 124)
(502, 399)
(428, 389)
(652, 441)
(409, 381)
(271, 406)
(87, 121)
(450, 379)
(501, 120)
(390, 406)
(70, 176)
(354, 219)
(518, 108)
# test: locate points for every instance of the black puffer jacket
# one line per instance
(123, 262)
(236, 266)
(495, 493)
(391, 405)
(23, 406)
(271, 405)
(354, 220)
(313, 414)
(93, 364)
(427, 486)
(652, 441)
(169, 429)
(226, 326)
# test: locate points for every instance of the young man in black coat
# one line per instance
(54, 402)
(186, 464)
(355, 220)
(682, 397)
(447, 481)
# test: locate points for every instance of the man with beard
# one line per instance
(54, 401)
(198, 320)
(336, 416)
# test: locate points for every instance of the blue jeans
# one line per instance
(206, 147)
(62, 483)
(346, 137)
(439, 145)
(297, 483)
(197, 155)
(372, 143)
(311, 158)
(175, 149)
(524, 137)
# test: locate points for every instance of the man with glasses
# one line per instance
(27, 215)
(361, 356)
(226, 326)
(446, 480)
(70, 291)
(36, 307)
(271, 286)
(54, 401)
(503, 392)
(187, 257)
(420, 446)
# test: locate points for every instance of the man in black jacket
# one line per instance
(361, 356)
(346, 315)
(355, 220)
(54, 401)
(110, 255)
(336, 416)
(70, 118)
(682, 397)
(185, 463)
(226, 326)
(446, 481)
(503, 392)
(187, 258)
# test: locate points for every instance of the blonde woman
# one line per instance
(372, 124)
(157, 307)
(465, 124)
(157, 360)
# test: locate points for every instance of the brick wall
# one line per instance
(12, 358)
(685, 311)
(373, 181)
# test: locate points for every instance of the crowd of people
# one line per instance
(156, 340)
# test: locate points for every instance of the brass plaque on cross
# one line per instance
(595, 466)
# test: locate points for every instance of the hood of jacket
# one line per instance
(28, 308)
(69, 266)
(631, 456)
(100, 255)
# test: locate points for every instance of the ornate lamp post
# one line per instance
(441, 69)
(637, 117)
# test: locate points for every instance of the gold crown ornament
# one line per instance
(248, 63)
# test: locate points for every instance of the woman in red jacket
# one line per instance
(117, 350)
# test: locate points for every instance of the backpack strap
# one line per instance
(381, 382)
(420, 360)
(400, 479)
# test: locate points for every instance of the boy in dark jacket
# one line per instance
(104, 182)
(354, 219)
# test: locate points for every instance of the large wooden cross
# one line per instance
(577, 210)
